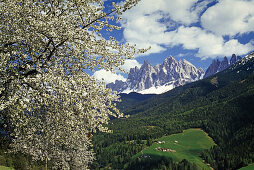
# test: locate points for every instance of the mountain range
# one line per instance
(159, 78)
(163, 77)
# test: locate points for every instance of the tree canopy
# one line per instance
(46, 97)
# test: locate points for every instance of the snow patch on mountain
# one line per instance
(247, 58)
(157, 90)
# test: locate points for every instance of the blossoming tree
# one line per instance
(46, 96)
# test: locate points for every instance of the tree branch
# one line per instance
(30, 72)
(8, 44)
(79, 13)
(55, 47)
(107, 14)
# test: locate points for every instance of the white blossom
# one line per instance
(52, 103)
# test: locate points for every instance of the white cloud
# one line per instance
(167, 23)
(207, 44)
(142, 24)
(107, 76)
(229, 17)
(128, 64)
(145, 31)
(185, 12)
(233, 46)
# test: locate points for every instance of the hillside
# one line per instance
(178, 147)
(222, 105)
(128, 100)
(249, 167)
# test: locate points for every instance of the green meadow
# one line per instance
(5, 168)
(187, 145)
(249, 167)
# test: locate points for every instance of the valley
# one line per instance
(186, 145)
(222, 108)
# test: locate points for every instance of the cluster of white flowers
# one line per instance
(52, 104)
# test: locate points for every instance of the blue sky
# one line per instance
(195, 30)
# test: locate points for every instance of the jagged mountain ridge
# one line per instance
(218, 66)
(158, 79)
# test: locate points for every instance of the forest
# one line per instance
(221, 105)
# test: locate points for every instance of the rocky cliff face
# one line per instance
(218, 65)
(160, 78)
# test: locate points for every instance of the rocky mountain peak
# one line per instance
(223, 64)
(133, 73)
(169, 59)
(217, 65)
(233, 59)
(239, 58)
(171, 73)
(187, 62)
(146, 63)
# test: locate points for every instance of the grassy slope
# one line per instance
(5, 168)
(250, 167)
(190, 144)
